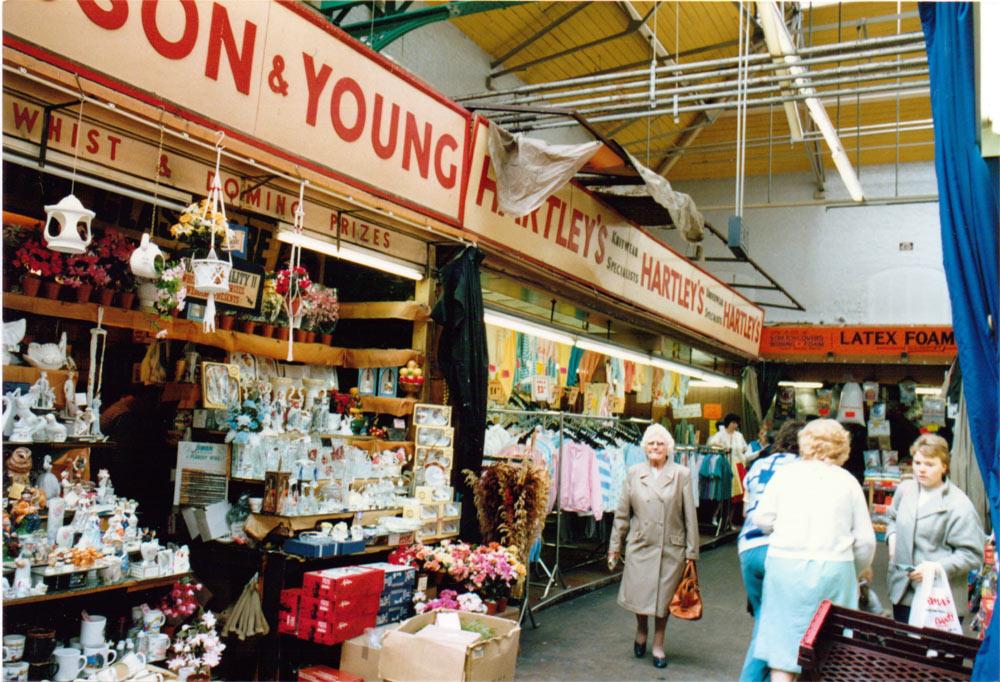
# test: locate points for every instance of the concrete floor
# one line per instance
(590, 637)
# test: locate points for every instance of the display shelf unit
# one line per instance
(65, 445)
(397, 407)
(187, 330)
(23, 374)
(124, 586)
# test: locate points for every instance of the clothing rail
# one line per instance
(555, 574)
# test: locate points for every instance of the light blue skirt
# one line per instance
(793, 589)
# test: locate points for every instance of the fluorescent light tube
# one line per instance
(713, 383)
(614, 351)
(517, 324)
(928, 390)
(801, 384)
(677, 367)
(350, 253)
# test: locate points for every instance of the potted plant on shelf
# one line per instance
(40, 267)
(197, 648)
(247, 322)
(323, 312)
(271, 304)
(84, 274)
(293, 285)
(113, 250)
(226, 319)
(170, 288)
(195, 225)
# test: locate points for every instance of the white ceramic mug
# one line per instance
(71, 663)
(156, 647)
(13, 648)
(153, 620)
(255, 504)
(15, 672)
(99, 657)
(92, 631)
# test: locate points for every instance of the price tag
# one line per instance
(557, 393)
(692, 411)
(495, 391)
(541, 388)
(619, 404)
(574, 393)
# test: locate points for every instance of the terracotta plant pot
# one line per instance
(199, 677)
(248, 326)
(83, 293)
(501, 604)
(283, 333)
(30, 285)
(310, 337)
(225, 322)
(127, 300)
(174, 312)
(491, 607)
(106, 297)
(51, 289)
(267, 330)
(301, 335)
(326, 339)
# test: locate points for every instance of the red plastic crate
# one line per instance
(844, 644)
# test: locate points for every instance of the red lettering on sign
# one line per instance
(240, 61)
(26, 117)
(412, 143)
(110, 19)
(487, 184)
(602, 236)
(315, 82)
(384, 151)
(449, 178)
(115, 141)
(179, 48)
(353, 132)
(92, 145)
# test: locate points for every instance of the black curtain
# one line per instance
(464, 360)
(768, 376)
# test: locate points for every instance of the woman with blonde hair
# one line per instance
(657, 520)
(821, 537)
(930, 522)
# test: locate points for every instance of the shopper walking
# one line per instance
(931, 522)
(752, 543)
(821, 538)
(656, 520)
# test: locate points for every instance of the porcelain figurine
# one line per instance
(182, 560)
(19, 466)
(57, 515)
(47, 355)
(81, 427)
(71, 409)
(149, 550)
(48, 481)
(13, 333)
(26, 422)
(104, 486)
(95, 423)
(22, 575)
(54, 431)
(45, 396)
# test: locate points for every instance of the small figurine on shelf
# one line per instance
(48, 481)
(82, 426)
(45, 397)
(19, 470)
(95, 423)
(105, 490)
(411, 378)
(22, 575)
(70, 410)
(54, 431)
(22, 510)
(25, 421)
(357, 412)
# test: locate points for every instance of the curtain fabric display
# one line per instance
(967, 191)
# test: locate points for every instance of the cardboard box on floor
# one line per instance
(407, 657)
(358, 657)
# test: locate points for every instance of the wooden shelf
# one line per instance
(397, 407)
(66, 445)
(127, 586)
(393, 310)
(24, 374)
(186, 330)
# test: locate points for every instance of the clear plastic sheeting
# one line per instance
(529, 171)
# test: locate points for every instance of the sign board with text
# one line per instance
(275, 74)
(864, 342)
(576, 235)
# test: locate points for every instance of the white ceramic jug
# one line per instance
(143, 259)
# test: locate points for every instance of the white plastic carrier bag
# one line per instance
(934, 604)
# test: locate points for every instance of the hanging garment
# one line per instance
(579, 488)
(629, 376)
(563, 353)
(644, 389)
(573, 367)
(852, 405)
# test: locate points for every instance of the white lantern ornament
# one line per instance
(211, 274)
(69, 214)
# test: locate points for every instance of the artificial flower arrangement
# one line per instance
(322, 309)
(196, 224)
(449, 599)
(244, 423)
(170, 288)
(495, 570)
(36, 260)
(182, 602)
(113, 250)
(197, 646)
(285, 280)
(271, 302)
(492, 571)
(83, 270)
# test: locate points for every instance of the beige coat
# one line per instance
(656, 518)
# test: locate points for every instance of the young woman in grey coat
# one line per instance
(930, 521)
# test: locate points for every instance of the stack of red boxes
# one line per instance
(288, 615)
(338, 603)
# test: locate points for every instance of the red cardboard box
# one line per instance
(321, 673)
(290, 599)
(346, 582)
(345, 607)
(288, 614)
(288, 622)
(335, 631)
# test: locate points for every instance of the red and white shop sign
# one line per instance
(580, 237)
(273, 73)
(115, 148)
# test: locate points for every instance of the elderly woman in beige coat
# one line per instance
(656, 518)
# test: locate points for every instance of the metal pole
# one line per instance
(915, 37)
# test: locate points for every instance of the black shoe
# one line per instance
(639, 649)
(659, 662)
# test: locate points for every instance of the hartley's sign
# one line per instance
(276, 74)
(578, 236)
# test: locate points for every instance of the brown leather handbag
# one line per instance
(686, 603)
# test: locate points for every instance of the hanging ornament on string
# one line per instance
(147, 256)
(211, 274)
(71, 215)
(293, 284)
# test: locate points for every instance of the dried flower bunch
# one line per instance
(511, 502)
(196, 224)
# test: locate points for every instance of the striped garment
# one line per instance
(756, 481)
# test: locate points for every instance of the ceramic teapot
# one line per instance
(143, 259)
